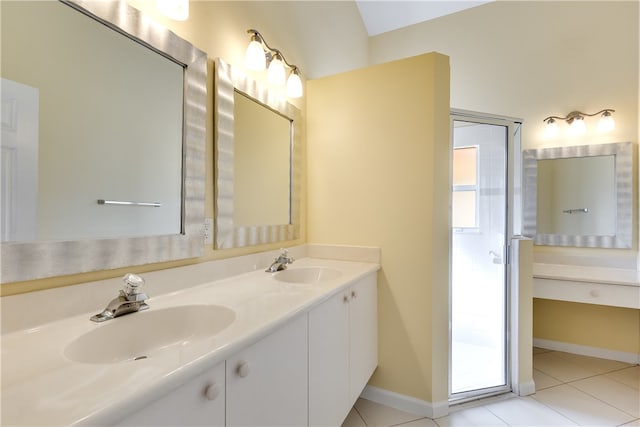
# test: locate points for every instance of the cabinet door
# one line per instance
(199, 402)
(329, 362)
(363, 352)
(267, 382)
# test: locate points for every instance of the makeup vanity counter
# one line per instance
(42, 386)
(585, 284)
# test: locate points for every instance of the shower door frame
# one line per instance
(512, 148)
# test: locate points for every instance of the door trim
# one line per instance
(512, 126)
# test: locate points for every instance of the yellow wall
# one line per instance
(378, 174)
(532, 59)
(599, 326)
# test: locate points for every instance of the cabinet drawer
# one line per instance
(587, 292)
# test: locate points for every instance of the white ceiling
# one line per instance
(380, 16)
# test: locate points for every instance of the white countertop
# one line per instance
(577, 273)
(40, 386)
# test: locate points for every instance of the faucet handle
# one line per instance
(284, 256)
(132, 284)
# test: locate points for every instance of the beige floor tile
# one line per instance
(559, 368)
(423, 422)
(593, 364)
(628, 376)
(479, 416)
(525, 411)
(581, 408)
(353, 420)
(543, 380)
(378, 415)
(616, 394)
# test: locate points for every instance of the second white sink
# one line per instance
(307, 275)
(140, 335)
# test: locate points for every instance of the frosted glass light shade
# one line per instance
(276, 75)
(551, 129)
(606, 123)
(175, 9)
(294, 85)
(578, 127)
(255, 58)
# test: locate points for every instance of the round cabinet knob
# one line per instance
(594, 293)
(212, 391)
(243, 369)
(345, 299)
(353, 294)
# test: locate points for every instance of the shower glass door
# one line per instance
(479, 308)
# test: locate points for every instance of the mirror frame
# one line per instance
(227, 234)
(624, 195)
(34, 260)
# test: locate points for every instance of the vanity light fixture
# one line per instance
(177, 10)
(259, 53)
(575, 119)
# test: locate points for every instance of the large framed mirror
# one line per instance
(579, 195)
(103, 140)
(257, 156)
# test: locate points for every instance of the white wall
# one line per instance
(534, 59)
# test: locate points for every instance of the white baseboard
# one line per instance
(406, 403)
(584, 350)
(526, 388)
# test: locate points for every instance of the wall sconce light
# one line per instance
(177, 10)
(256, 58)
(575, 119)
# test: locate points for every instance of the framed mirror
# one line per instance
(257, 156)
(579, 195)
(116, 140)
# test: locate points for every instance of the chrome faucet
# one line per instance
(280, 262)
(129, 300)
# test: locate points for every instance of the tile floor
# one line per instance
(571, 390)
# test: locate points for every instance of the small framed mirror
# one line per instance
(579, 195)
(257, 157)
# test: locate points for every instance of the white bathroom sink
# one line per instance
(143, 334)
(307, 275)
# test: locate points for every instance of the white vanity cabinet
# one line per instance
(343, 351)
(199, 402)
(264, 384)
(308, 371)
(267, 382)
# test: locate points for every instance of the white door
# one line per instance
(480, 235)
(19, 162)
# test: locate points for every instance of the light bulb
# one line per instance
(276, 75)
(577, 126)
(294, 85)
(551, 129)
(606, 123)
(255, 58)
(175, 9)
